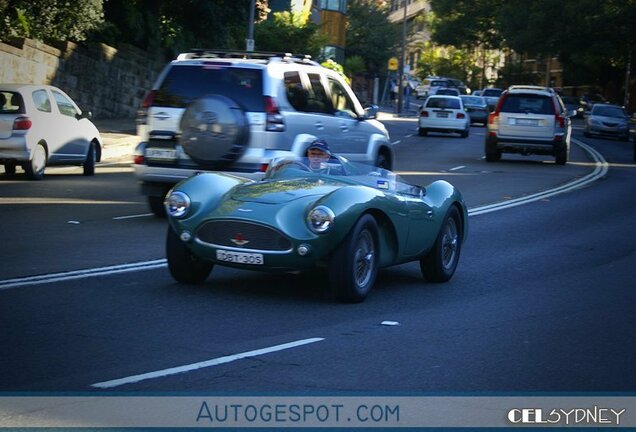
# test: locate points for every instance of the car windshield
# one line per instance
(473, 100)
(339, 168)
(442, 102)
(608, 111)
(492, 92)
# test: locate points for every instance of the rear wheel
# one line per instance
(493, 154)
(465, 133)
(9, 168)
(440, 263)
(422, 132)
(383, 161)
(34, 168)
(183, 265)
(354, 265)
(89, 163)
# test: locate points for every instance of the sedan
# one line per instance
(607, 120)
(444, 114)
(476, 108)
(350, 219)
(41, 125)
(491, 95)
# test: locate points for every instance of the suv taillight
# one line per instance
(22, 123)
(274, 120)
(424, 113)
(558, 118)
(142, 112)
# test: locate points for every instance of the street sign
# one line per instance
(393, 64)
(250, 44)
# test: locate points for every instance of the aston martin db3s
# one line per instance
(350, 218)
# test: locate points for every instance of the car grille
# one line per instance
(245, 235)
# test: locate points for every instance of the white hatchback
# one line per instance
(444, 114)
(41, 125)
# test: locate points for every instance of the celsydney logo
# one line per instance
(594, 415)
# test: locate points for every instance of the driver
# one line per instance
(318, 153)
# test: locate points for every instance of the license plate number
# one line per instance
(442, 115)
(525, 122)
(161, 154)
(239, 257)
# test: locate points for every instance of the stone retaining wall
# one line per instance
(107, 81)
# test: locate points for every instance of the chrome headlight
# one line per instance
(320, 219)
(177, 204)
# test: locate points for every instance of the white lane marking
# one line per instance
(132, 216)
(396, 142)
(457, 168)
(601, 168)
(204, 364)
(408, 136)
(79, 274)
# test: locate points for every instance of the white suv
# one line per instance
(221, 111)
(529, 120)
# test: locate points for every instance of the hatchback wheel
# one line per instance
(89, 163)
(34, 168)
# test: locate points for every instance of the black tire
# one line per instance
(34, 168)
(586, 134)
(353, 267)
(465, 134)
(9, 168)
(422, 132)
(439, 264)
(493, 154)
(215, 131)
(383, 161)
(183, 265)
(91, 158)
(561, 157)
(156, 206)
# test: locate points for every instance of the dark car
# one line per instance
(476, 108)
(491, 95)
(607, 120)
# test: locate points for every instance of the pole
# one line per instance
(249, 43)
(627, 78)
(402, 60)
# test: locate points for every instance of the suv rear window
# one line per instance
(528, 103)
(185, 83)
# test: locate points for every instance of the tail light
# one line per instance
(461, 115)
(493, 118)
(274, 120)
(138, 159)
(263, 167)
(424, 113)
(22, 123)
(142, 112)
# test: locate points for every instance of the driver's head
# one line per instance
(318, 152)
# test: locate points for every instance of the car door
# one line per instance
(354, 133)
(72, 142)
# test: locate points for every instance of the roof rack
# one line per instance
(199, 53)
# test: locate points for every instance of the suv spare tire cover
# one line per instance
(214, 131)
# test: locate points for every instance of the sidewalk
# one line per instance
(119, 138)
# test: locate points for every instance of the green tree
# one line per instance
(50, 19)
(370, 35)
(290, 32)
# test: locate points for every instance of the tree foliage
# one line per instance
(290, 32)
(370, 35)
(50, 19)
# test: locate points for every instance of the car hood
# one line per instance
(611, 120)
(283, 191)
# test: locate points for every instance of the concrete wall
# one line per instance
(107, 81)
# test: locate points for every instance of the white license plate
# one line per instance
(162, 154)
(239, 257)
(442, 115)
(525, 122)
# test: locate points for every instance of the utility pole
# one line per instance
(402, 60)
(627, 78)
(249, 43)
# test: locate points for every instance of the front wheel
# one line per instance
(156, 206)
(441, 261)
(183, 265)
(89, 163)
(353, 267)
(34, 168)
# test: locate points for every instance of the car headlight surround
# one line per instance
(320, 219)
(177, 204)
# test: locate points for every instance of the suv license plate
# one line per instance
(525, 122)
(161, 154)
(239, 257)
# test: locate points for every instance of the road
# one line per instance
(543, 298)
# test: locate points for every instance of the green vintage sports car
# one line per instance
(350, 218)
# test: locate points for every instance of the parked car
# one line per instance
(349, 218)
(476, 108)
(491, 95)
(529, 120)
(40, 125)
(443, 114)
(221, 111)
(608, 121)
(449, 91)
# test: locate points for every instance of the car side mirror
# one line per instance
(371, 112)
(84, 114)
